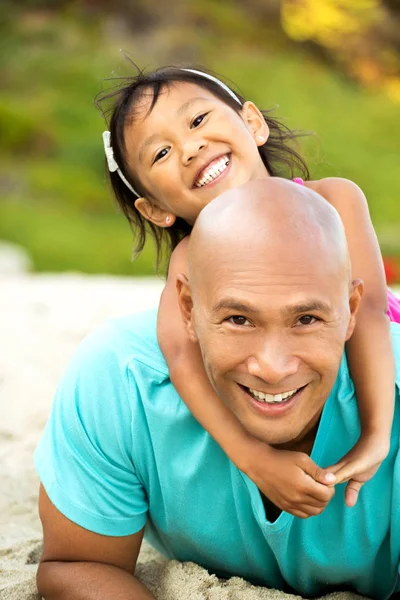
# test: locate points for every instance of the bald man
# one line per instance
(270, 301)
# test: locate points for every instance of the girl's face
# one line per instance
(189, 149)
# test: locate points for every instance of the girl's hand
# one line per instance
(290, 480)
(360, 464)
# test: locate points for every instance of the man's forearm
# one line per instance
(58, 580)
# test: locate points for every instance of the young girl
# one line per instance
(180, 137)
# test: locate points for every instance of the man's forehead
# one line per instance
(267, 254)
(231, 268)
(260, 285)
(282, 302)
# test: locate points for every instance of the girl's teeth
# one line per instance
(272, 398)
(213, 172)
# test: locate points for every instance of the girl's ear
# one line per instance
(254, 119)
(154, 214)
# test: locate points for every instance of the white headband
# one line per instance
(215, 80)
(112, 163)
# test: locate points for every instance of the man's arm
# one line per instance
(78, 564)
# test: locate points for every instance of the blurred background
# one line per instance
(328, 66)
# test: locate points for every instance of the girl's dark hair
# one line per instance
(277, 154)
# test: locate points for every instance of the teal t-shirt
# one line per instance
(121, 451)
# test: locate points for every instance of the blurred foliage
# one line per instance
(328, 21)
(363, 36)
(55, 56)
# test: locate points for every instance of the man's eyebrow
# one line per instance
(308, 306)
(236, 305)
(243, 307)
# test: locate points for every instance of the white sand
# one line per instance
(42, 319)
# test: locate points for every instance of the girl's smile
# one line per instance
(213, 171)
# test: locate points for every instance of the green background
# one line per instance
(55, 58)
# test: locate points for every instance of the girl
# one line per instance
(180, 137)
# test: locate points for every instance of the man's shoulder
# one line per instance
(395, 330)
(121, 341)
(344, 375)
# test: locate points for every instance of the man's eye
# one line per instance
(160, 154)
(238, 320)
(198, 120)
(307, 320)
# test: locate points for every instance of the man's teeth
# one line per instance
(272, 398)
(216, 168)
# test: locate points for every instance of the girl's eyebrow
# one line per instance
(183, 108)
(147, 143)
(188, 104)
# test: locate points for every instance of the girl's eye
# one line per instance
(198, 120)
(160, 155)
(239, 320)
(307, 320)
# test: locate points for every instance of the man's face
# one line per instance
(272, 334)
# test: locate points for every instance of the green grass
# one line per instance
(67, 240)
(53, 196)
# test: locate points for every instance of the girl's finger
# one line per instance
(350, 470)
(319, 492)
(319, 475)
(307, 510)
(352, 491)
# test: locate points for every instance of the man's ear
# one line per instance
(356, 292)
(186, 305)
(254, 119)
(153, 213)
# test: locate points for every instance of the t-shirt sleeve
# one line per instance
(85, 458)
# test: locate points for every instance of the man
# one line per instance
(269, 299)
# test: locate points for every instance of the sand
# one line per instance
(42, 319)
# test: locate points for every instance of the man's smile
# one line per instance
(272, 398)
(273, 404)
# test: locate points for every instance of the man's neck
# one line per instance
(305, 442)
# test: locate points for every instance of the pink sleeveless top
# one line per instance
(393, 302)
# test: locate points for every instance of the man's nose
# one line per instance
(273, 360)
(192, 148)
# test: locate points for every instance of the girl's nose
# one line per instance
(191, 149)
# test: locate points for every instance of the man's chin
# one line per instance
(278, 424)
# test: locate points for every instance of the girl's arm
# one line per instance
(288, 479)
(369, 351)
(185, 363)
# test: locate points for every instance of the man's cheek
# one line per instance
(224, 355)
(219, 360)
(326, 362)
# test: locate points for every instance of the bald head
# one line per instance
(274, 216)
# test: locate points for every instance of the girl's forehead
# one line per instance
(178, 94)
